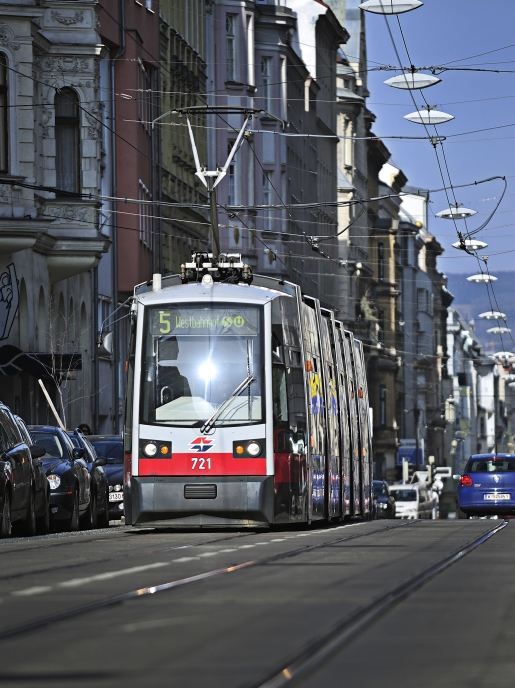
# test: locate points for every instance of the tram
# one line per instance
(247, 404)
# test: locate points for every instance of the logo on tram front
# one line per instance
(201, 444)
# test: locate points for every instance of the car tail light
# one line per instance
(466, 481)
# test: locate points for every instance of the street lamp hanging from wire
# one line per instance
(390, 6)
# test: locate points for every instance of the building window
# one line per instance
(250, 49)
(4, 138)
(230, 32)
(382, 405)
(145, 109)
(67, 140)
(145, 215)
(148, 4)
(284, 90)
(380, 261)
(231, 177)
(380, 322)
(266, 82)
(267, 200)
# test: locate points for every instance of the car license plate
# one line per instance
(116, 496)
(497, 497)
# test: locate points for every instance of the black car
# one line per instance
(17, 489)
(385, 502)
(111, 446)
(39, 480)
(98, 515)
(68, 475)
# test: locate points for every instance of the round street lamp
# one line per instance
(456, 212)
(482, 279)
(499, 330)
(492, 315)
(412, 81)
(390, 6)
(504, 356)
(428, 117)
(471, 244)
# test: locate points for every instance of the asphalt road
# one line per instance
(250, 610)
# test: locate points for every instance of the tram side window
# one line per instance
(280, 396)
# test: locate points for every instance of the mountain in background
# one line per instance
(472, 299)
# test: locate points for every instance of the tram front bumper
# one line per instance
(230, 501)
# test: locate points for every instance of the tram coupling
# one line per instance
(228, 268)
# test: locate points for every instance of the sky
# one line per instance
(439, 32)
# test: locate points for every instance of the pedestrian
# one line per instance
(85, 429)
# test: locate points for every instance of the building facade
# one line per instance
(50, 152)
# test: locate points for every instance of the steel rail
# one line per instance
(152, 590)
(346, 630)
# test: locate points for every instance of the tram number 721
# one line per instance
(200, 464)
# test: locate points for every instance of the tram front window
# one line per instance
(194, 358)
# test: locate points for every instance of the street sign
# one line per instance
(408, 452)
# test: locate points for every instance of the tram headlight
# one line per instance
(254, 448)
(150, 449)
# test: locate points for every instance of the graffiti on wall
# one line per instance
(9, 300)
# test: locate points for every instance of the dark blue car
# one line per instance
(487, 487)
(111, 446)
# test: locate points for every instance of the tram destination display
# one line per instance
(212, 321)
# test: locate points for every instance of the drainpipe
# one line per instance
(114, 186)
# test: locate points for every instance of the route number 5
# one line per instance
(200, 464)
(164, 321)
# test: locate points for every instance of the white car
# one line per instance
(413, 501)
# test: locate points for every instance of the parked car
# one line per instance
(39, 480)
(385, 503)
(412, 501)
(17, 489)
(487, 487)
(111, 446)
(68, 475)
(97, 516)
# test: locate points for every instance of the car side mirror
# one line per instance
(100, 461)
(78, 453)
(36, 451)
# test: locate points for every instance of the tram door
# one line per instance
(289, 414)
(343, 415)
(316, 408)
(334, 494)
(362, 402)
(354, 425)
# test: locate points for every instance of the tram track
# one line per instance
(139, 593)
(313, 653)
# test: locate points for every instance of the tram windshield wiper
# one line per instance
(239, 389)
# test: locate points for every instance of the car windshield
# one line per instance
(74, 440)
(405, 495)
(113, 451)
(491, 465)
(51, 443)
(380, 490)
(195, 358)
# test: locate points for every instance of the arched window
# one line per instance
(4, 138)
(67, 140)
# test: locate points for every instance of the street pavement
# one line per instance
(238, 608)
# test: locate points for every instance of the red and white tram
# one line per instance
(247, 404)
